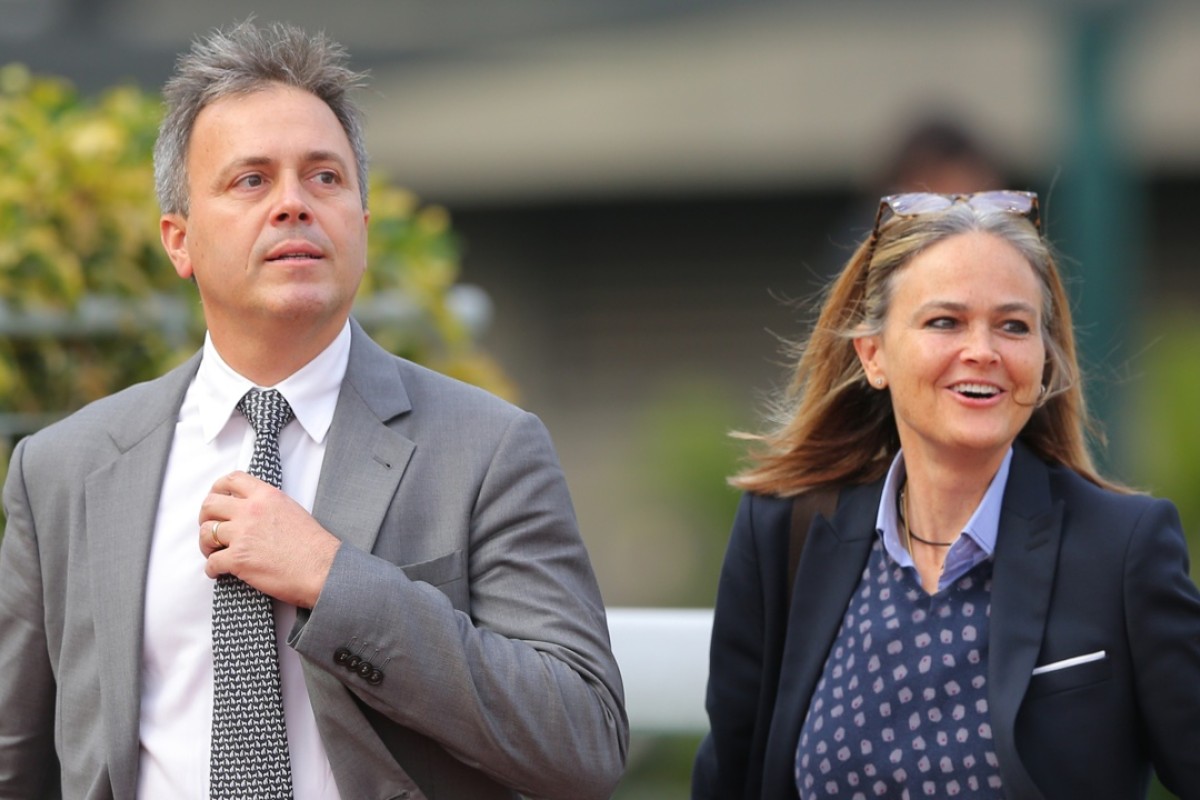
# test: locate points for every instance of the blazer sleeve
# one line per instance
(28, 763)
(524, 687)
(749, 628)
(1163, 628)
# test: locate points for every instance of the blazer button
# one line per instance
(341, 656)
(365, 669)
(375, 678)
(352, 662)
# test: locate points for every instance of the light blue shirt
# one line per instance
(978, 540)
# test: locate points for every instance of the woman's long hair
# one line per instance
(830, 427)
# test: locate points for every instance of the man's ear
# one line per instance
(172, 228)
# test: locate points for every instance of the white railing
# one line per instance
(663, 655)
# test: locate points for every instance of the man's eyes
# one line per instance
(251, 181)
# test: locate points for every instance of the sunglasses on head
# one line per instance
(914, 204)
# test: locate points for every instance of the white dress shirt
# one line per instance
(213, 439)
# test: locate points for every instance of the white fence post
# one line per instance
(663, 655)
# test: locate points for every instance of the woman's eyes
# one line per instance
(1017, 327)
(942, 323)
(1013, 327)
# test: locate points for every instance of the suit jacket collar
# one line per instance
(830, 567)
(1025, 563)
(121, 502)
(364, 457)
(1026, 560)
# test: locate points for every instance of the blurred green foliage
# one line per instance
(1166, 428)
(78, 219)
(686, 457)
(660, 768)
(79, 241)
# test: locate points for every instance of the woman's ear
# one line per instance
(870, 355)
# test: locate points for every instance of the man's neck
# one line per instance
(267, 357)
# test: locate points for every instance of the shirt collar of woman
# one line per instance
(978, 541)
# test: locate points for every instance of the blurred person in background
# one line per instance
(295, 566)
(975, 611)
(939, 153)
(942, 156)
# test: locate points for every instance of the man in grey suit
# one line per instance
(438, 628)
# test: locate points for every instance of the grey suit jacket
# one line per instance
(461, 578)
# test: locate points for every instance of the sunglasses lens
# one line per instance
(1006, 201)
(914, 203)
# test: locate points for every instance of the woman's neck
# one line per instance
(940, 498)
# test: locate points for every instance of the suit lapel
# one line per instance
(121, 502)
(830, 568)
(364, 458)
(1026, 560)
(364, 462)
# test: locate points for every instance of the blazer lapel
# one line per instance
(1026, 560)
(121, 502)
(364, 458)
(830, 568)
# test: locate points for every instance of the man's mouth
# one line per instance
(295, 257)
(295, 251)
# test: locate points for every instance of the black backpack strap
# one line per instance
(805, 507)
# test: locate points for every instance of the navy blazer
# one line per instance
(1077, 570)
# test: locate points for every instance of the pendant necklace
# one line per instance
(909, 535)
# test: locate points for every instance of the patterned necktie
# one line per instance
(249, 758)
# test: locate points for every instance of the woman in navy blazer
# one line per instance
(983, 615)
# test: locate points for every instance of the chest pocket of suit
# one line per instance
(446, 573)
(1074, 677)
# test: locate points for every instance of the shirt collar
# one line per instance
(982, 527)
(311, 391)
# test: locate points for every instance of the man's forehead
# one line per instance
(266, 124)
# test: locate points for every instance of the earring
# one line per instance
(879, 382)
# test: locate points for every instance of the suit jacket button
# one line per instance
(352, 662)
(341, 656)
(365, 669)
(375, 678)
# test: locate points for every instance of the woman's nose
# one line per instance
(980, 345)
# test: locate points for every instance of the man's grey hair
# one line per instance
(245, 59)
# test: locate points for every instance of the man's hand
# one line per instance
(250, 529)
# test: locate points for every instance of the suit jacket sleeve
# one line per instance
(28, 764)
(1164, 607)
(521, 684)
(749, 627)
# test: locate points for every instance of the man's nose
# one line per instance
(291, 204)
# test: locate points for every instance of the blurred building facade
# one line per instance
(650, 190)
